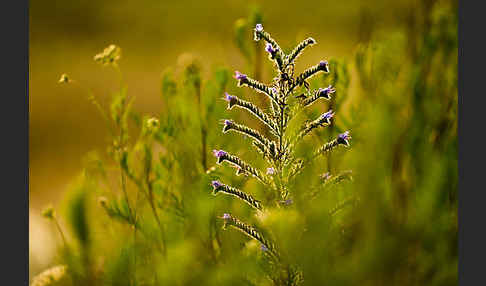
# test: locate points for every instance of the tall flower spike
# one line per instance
(279, 150)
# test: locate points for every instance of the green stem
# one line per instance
(58, 226)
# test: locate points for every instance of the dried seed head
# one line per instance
(103, 201)
(210, 170)
(152, 124)
(49, 212)
(64, 78)
(52, 276)
(109, 56)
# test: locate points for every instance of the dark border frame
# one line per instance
(472, 195)
(14, 212)
(15, 159)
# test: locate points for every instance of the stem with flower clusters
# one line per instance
(284, 166)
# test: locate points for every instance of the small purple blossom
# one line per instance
(240, 76)
(269, 49)
(228, 124)
(273, 90)
(287, 202)
(263, 248)
(344, 138)
(258, 27)
(325, 176)
(226, 216)
(270, 171)
(231, 99)
(219, 153)
(324, 65)
(325, 92)
(228, 97)
(216, 184)
(328, 115)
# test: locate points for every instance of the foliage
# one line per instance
(141, 213)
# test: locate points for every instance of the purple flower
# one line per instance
(228, 124)
(226, 216)
(240, 76)
(324, 65)
(216, 184)
(274, 91)
(325, 92)
(220, 154)
(263, 248)
(228, 97)
(259, 27)
(287, 202)
(269, 49)
(344, 138)
(270, 171)
(325, 176)
(231, 99)
(327, 116)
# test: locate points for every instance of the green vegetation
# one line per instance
(381, 212)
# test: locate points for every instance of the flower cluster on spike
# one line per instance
(282, 165)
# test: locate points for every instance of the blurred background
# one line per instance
(155, 35)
